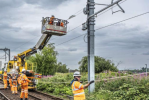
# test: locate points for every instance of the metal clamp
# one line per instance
(121, 9)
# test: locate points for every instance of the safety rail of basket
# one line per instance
(54, 29)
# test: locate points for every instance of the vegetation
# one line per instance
(122, 89)
(130, 88)
(46, 59)
(143, 69)
(101, 64)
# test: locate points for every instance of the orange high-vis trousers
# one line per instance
(24, 91)
(5, 83)
(11, 87)
(14, 89)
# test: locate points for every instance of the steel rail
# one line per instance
(3, 97)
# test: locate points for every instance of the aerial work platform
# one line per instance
(55, 28)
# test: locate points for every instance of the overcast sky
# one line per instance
(126, 42)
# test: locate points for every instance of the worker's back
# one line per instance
(62, 24)
(14, 80)
(78, 91)
(51, 20)
(24, 80)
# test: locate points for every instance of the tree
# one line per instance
(62, 68)
(101, 64)
(46, 60)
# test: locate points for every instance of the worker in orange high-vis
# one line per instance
(5, 79)
(10, 81)
(77, 87)
(24, 85)
(19, 79)
(62, 24)
(51, 20)
(14, 84)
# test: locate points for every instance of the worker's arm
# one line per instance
(26, 79)
(86, 85)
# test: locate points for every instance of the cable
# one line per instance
(123, 20)
(70, 39)
(111, 8)
(97, 16)
(78, 11)
(106, 26)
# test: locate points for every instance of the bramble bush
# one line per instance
(130, 88)
(122, 89)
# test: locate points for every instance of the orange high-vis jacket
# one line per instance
(19, 80)
(5, 76)
(78, 91)
(10, 81)
(51, 20)
(24, 80)
(62, 24)
(14, 81)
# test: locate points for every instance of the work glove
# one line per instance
(91, 82)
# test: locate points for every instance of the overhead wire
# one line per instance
(111, 8)
(77, 13)
(122, 21)
(98, 28)
(81, 24)
(106, 26)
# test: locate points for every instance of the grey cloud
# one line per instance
(7, 5)
(50, 4)
(72, 49)
(126, 37)
(7, 27)
(147, 53)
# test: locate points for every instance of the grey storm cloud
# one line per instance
(147, 53)
(8, 28)
(50, 4)
(7, 5)
(72, 49)
(126, 37)
(19, 31)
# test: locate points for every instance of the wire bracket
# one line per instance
(121, 9)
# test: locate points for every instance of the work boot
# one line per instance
(21, 98)
(26, 98)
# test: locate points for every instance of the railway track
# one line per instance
(33, 95)
(43, 96)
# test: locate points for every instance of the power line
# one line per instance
(106, 26)
(78, 11)
(97, 16)
(111, 8)
(122, 21)
(70, 39)
(81, 24)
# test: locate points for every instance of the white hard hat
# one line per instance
(13, 71)
(23, 70)
(5, 70)
(17, 67)
(76, 73)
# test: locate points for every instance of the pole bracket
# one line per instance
(121, 9)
